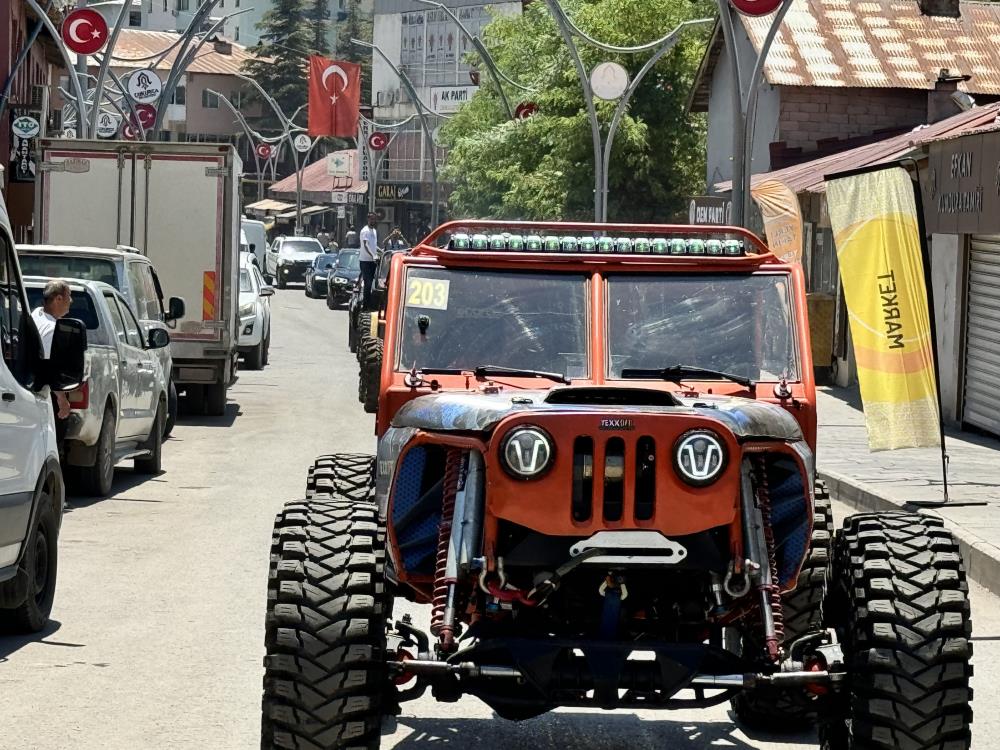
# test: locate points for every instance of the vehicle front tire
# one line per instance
(267, 349)
(172, 405)
(152, 464)
(40, 563)
(792, 709)
(255, 357)
(325, 677)
(899, 600)
(215, 399)
(346, 475)
(96, 480)
(307, 288)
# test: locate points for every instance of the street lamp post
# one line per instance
(602, 147)
(422, 110)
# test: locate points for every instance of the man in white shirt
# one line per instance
(56, 300)
(368, 256)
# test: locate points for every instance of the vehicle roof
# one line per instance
(94, 286)
(96, 252)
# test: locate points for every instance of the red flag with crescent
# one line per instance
(334, 97)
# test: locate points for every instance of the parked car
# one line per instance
(289, 258)
(342, 278)
(255, 315)
(316, 274)
(131, 274)
(32, 491)
(119, 408)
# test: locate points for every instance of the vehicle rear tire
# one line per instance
(215, 399)
(96, 480)
(347, 475)
(371, 373)
(791, 710)
(172, 407)
(325, 678)
(330, 304)
(194, 398)
(255, 357)
(40, 563)
(899, 600)
(152, 464)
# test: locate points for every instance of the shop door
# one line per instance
(981, 405)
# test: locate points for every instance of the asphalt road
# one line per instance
(157, 632)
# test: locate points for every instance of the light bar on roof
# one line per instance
(533, 243)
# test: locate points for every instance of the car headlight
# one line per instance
(246, 309)
(699, 457)
(340, 280)
(527, 452)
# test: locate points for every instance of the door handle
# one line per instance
(8, 396)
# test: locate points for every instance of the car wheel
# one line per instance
(307, 288)
(96, 480)
(255, 357)
(330, 304)
(41, 558)
(168, 425)
(215, 399)
(151, 465)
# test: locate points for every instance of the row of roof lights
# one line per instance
(534, 243)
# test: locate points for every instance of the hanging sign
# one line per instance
(108, 124)
(378, 141)
(263, 150)
(146, 114)
(84, 31)
(446, 99)
(145, 86)
(608, 81)
(365, 130)
(338, 164)
(22, 147)
(25, 127)
(302, 143)
(524, 110)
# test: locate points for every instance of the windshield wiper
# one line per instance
(484, 370)
(678, 372)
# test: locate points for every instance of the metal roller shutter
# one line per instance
(982, 338)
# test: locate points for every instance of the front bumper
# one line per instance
(292, 271)
(251, 332)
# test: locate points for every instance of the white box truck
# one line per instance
(178, 204)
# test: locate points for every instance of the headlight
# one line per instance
(699, 457)
(340, 280)
(526, 452)
(246, 310)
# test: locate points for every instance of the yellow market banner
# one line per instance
(877, 234)
(779, 207)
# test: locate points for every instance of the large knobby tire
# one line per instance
(96, 480)
(363, 332)
(40, 561)
(899, 601)
(371, 373)
(151, 465)
(792, 709)
(325, 678)
(345, 475)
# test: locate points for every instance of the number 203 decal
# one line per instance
(428, 293)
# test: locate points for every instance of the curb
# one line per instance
(982, 559)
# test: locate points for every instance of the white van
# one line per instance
(32, 491)
(256, 239)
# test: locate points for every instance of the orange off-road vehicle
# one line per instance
(596, 464)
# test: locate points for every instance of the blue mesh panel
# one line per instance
(789, 516)
(418, 541)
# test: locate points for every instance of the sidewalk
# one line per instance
(889, 479)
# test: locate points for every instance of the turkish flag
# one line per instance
(334, 97)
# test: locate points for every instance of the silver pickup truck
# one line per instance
(119, 411)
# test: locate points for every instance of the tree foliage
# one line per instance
(318, 18)
(543, 167)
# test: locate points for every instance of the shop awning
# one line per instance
(306, 211)
(269, 204)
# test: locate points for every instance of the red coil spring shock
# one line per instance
(445, 631)
(774, 589)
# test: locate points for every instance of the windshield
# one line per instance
(537, 321)
(301, 245)
(324, 261)
(348, 260)
(740, 325)
(70, 267)
(245, 285)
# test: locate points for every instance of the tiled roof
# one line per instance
(134, 44)
(316, 180)
(871, 44)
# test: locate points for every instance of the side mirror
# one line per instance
(158, 338)
(175, 308)
(267, 291)
(66, 361)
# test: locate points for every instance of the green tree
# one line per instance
(542, 168)
(353, 23)
(318, 14)
(281, 57)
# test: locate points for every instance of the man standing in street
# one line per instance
(368, 256)
(56, 301)
(395, 241)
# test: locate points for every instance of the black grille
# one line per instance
(617, 467)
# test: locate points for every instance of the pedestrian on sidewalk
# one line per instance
(368, 257)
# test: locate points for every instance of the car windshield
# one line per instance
(245, 283)
(742, 325)
(324, 261)
(69, 267)
(81, 308)
(538, 321)
(348, 260)
(301, 245)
